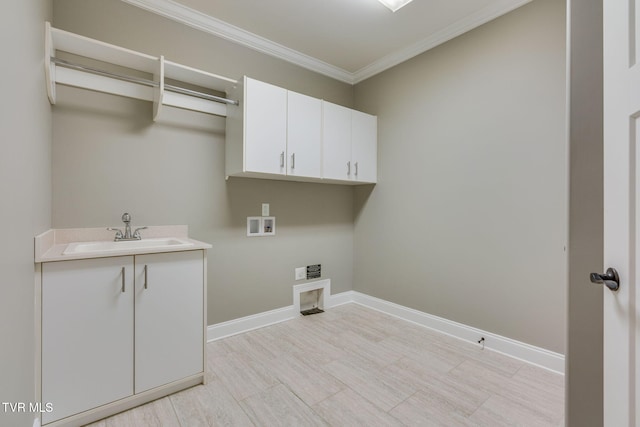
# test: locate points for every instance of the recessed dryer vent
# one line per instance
(311, 298)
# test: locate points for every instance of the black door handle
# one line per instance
(610, 279)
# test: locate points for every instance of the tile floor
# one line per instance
(352, 366)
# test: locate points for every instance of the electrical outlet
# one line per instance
(301, 273)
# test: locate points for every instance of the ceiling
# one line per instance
(349, 40)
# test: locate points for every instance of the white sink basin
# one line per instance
(110, 246)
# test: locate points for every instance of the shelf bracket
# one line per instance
(49, 66)
(158, 93)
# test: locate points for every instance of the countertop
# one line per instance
(50, 245)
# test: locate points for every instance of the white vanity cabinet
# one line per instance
(349, 142)
(119, 331)
(168, 318)
(87, 334)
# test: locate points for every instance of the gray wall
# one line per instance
(25, 191)
(110, 157)
(469, 218)
(584, 338)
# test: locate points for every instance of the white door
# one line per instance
(304, 135)
(336, 141)
(265, 121)
(169, 317)
(364, 146)
(621, 211)
(87, 334)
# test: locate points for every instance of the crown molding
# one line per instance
(452, 31)
(208, 24)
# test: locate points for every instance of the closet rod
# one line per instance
(141, 81)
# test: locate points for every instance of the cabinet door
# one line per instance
(364, 146)
(87, 334)
(265, 123)
(304, 135)
(336, 142)
(169, 317)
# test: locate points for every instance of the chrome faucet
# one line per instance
(126, 218)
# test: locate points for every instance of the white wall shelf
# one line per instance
(154, 89)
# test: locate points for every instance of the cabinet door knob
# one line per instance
(293, 161)
(356, 165)
(122, 274)
(282, 159)
(145, 276)
(348, 168)
(610, 279)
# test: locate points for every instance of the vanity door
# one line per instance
(169, 317)
(87, 334)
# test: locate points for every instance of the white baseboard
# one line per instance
(260, 320)
(249, 323)
(341, 298)
(516, 349)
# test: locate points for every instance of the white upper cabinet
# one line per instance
(350, 144)
(364, 147)
(279, 134)
(336, 142)
(304, 135)
(265, 133)
(274, 132)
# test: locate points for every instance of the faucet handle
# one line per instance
(119, 234)
(136, 233)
